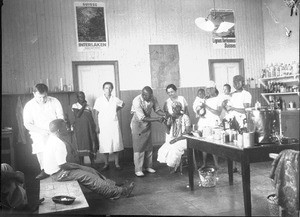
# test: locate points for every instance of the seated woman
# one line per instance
(178, 125)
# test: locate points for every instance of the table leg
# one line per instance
(246, 187)
(230, 171)
(191, 168)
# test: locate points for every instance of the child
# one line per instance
(198, 105)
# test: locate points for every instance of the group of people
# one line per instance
(98, 128)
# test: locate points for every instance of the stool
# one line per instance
(10, 149)
(184, 159)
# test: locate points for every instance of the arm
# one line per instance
(214, 111)
(7, 176)
(58, 109)
(120, 107)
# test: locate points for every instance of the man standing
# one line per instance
(142, 106)
(240, 100)
(37, 115)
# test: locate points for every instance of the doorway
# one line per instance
(221, 71)
(89, 76)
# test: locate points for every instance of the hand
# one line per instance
(229, 108)
(161, 119)
(173, 141)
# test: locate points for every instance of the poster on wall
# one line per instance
(164, 65)
(223, 36)
(90, 27)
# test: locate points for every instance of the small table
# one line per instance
(50, 188)
(233, 153)
(8, 134)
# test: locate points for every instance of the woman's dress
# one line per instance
(110, 138)
(85, 131)
(171, 153)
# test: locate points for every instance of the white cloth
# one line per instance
(180, 99)
(79, 106)
(210, 119)
(222, 98)
(110, 138)
(197, 104)
(171, 153)
(56, 154)
(237, 100)
(40, 115)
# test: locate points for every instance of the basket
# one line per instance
(273, 205)
(208, 177)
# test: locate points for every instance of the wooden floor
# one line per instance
(50, 188)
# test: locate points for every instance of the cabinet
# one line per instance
(289, 86)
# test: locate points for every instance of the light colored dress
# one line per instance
(237, 100)
(110, 138)
(171, 153)
(169, 102)
(210, 119)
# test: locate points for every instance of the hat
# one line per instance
(211, 84)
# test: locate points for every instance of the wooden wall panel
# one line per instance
(39, 39)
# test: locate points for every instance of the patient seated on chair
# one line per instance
(173, 148)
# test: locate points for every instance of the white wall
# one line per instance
(39, 41)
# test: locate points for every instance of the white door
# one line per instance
(223, 73)
(91, 79)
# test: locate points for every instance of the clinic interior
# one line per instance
(39, 44)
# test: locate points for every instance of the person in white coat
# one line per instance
(37, 115)
(110, 138)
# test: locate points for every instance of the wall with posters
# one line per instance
(39, 40)
(278, 47)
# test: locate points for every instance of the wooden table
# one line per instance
(50, 188)
(233, 153)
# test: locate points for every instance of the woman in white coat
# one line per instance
(110, 138)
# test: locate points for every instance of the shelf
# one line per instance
(283, 79)
(278, 94)
(265, 95)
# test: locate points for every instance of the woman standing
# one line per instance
(211, 118)
(171, 90)
(110, 137)
(85, 129)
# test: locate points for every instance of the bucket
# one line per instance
(273, 205)
(208, 177)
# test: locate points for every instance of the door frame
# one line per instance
(212, 61)
(114, 63)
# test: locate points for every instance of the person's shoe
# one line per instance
(42, 175)
(106, 167)
(127, 190)
(139, 174)
(150, 170)
(118, 167)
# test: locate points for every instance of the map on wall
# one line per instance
(90, 25)
(164, 65)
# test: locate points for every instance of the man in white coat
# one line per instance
(37, 115)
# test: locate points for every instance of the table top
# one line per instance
(257, 153)
(50, 188)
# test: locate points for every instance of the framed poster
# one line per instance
(225, 39)
(91, 29)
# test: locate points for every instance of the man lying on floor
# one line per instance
(57, 166)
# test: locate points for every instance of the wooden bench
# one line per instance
(50, 188)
